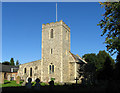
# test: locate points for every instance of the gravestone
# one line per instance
(18, 80)
(24, 78)
(37, 85)
(29, 84)
(51, 85)
(76, 79)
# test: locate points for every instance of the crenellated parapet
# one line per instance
(53, 24)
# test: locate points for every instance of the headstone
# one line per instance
(37, 85)
(18, 80)
(76, 80)
(29, 84)
(51, 83)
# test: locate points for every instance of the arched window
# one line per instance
(51, 69)
(24, 70)
(31, 72)
(51, 33)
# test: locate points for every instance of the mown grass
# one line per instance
(13, 84)
(10, 83)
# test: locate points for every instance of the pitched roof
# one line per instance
(77, 58)
(81, 59)
(32, 62)
(7, 68)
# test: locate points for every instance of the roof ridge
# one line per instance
(81, 58)
(72, 55)
(31, 61)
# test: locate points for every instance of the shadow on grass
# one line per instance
(58, 88)
(110, 87)
(7, 82)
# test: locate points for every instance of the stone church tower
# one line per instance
(57, 61)
(55, 49)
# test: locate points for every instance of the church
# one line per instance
(57, 62)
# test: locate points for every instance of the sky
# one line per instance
(22, 28)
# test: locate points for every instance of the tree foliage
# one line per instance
(6, 63)
(106, 73)
(89, 69)
(98, 66)
(17, 63)
(90, 58)
(101, 58)
(12, 62)
(110, 25)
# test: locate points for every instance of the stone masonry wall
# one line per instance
(36, 69)
(49, 43)
(65, 51)
(58, 57)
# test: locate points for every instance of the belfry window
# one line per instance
(51, 69)
(51, 51)
(51, 33)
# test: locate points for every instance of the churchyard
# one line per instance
(14, 84)
(37, 86)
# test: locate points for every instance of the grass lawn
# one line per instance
(13, 84)
(10, 83)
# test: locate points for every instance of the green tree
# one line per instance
(97, 66)
(6, 63)
(110, 25)
(101, 58)
(17, 63)
(90, 58)
(12, 62)
(88, 69)
(106, 73)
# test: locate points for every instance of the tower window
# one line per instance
(31, 72)
(51, 69)
(51, 33)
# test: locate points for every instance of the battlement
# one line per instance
(53, 24)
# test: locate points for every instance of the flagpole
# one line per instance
(56, 11)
